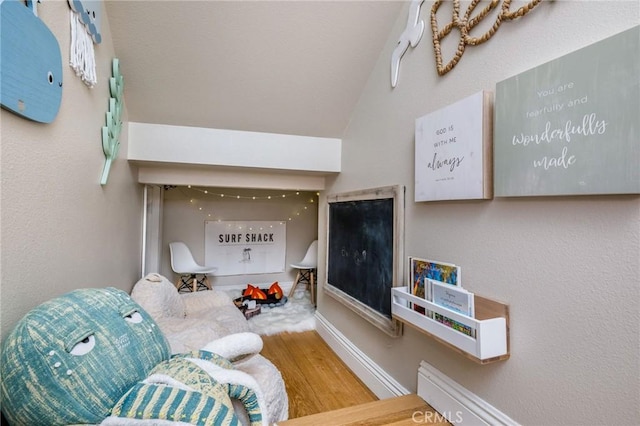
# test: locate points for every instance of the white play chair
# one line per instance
(306, 270)
(183, 264)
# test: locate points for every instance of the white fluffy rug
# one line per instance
(295, 316)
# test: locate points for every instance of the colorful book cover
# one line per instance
(423, 269)
(458, 326)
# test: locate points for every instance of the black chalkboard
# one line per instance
(365, 251)
(361, 251)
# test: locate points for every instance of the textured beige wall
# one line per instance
(568, 266)
(61, 229)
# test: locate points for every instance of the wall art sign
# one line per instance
(111, 132)
(86, 23)
(453, 151)
(30, 64)
(245, 247)
(570, 126)
(411, 35)
(467, 23)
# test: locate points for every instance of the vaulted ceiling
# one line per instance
(291, 67)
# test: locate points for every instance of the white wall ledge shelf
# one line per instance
(491, 324)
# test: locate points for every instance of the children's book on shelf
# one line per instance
(456, 325)
(454, 298)
(422, 269)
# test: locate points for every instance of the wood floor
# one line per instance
(323, 391)
(315, 378)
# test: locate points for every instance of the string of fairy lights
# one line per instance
(306, 201)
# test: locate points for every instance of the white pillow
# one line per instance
(158, 297)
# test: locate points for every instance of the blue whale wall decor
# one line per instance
(30, 64)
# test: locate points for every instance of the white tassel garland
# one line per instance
(82, 56)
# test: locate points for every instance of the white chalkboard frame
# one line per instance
(390, 326)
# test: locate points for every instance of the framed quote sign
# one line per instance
(571, 126)
(453, 151)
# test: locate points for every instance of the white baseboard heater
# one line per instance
(454, 402)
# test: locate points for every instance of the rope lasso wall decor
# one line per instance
(467, 23)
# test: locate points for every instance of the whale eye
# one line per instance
(50, 77)
(133, 317)
(84, 346)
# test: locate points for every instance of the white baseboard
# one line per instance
(452, 401)
(457, 404)
(375, 378)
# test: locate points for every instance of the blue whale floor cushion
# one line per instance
(94, 356)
